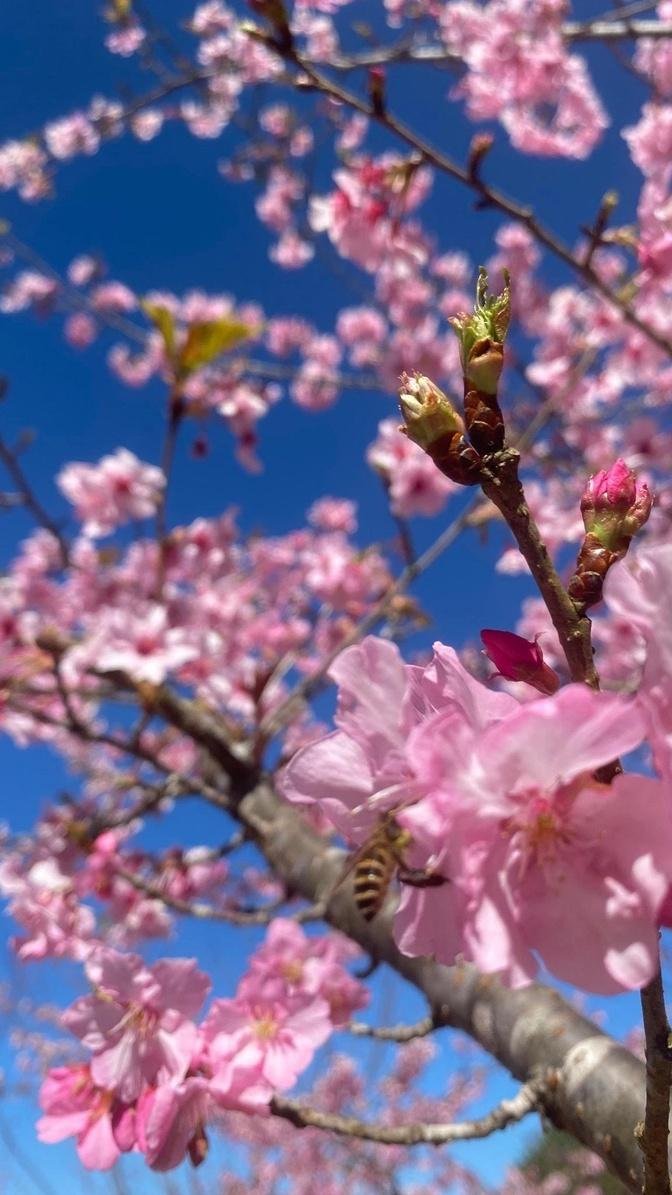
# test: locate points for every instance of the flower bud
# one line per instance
(482, 334)
(432, 422)
(615, 505)
(427, 411)
(519, 659)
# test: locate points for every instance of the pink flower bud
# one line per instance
(615, 505)
(519, 659)
(610, 489)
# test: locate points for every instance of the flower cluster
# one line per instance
(155, 1078)
(503, 800)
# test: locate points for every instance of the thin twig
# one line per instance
(278, 717)
(207, 912)
(488, 196)
(398, 1033)
(31, 502)
(407, 51)
(528, 1099)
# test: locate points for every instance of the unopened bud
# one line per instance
(519, 659)
(614, 505)
(481, 335)
(432, 422)
(376, 80)
(428, 412)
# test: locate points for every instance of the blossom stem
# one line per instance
(501, 484)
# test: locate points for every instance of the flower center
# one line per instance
(266, 1028)
(292, 971)
(539, 828)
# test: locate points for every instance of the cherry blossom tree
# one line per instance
(485, 824)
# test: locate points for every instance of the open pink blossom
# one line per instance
(363, 769)
(118, 488)
(74, 1106)
(542, 859)
(416, 487)
(137, 1021)
(143, 645)
(272, 1040)
(290, 963)
(638, 590)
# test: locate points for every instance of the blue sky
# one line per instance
(162, 216)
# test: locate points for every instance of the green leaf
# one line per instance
(162, 319)
(207, 340)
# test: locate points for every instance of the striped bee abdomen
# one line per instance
(373, 874)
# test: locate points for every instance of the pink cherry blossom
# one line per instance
(537, 848)
(74, 1106)
(141, 644)
(118, 488)
(272, 1040)
(289, 963)
(637, 590)
(333, 514)
(80, 330)
(70, 136)
(363, 769)
(415, 484)
(137, 1023)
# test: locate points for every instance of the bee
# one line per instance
(376, 862)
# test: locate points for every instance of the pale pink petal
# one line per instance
(96, 1147)
(183, 986)
(333, 771)
(118, 1068)
(551, 741)
(51, 1129)
(372, 683)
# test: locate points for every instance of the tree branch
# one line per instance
(488, 196)
(653, 1134)
(203, 911)
(398, 1033)
(31, 502)
(527, 1100)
